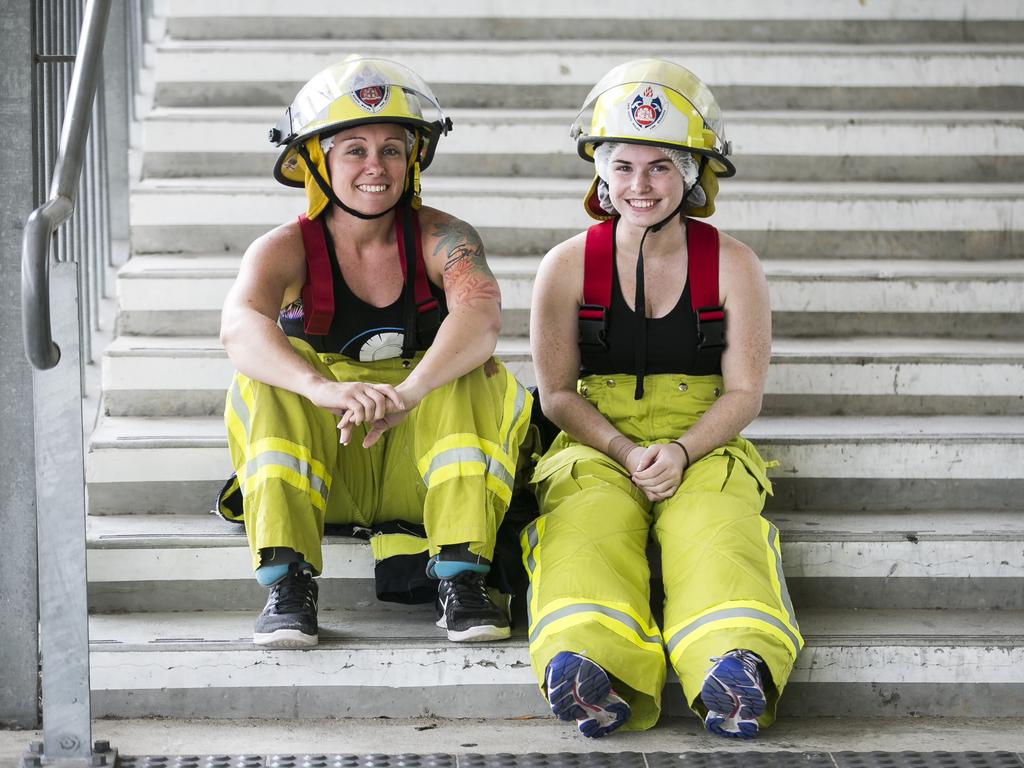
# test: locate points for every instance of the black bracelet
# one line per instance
(686, 453)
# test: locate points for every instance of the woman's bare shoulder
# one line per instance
(276, 263)
(283, 242)
(739, 266)
(568, 253)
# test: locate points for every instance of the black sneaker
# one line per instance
(466, 610)
(289, 617)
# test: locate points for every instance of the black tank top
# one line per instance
(671, 340)
(359, 330)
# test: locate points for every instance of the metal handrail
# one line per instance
(40, 348)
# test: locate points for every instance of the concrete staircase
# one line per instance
(880, 149)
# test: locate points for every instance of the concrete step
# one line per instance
(810, 20)
(922, 559)
(802, 146)
(882, 662)
(527, 216)
(175, 295)
(189, 375)
(177, 465)
(538, 73)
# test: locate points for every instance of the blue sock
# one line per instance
(274, 564)
(446, 569)
(453, 559)
(269, 575)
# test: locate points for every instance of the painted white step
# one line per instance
(878, 21)
(177, 664)
(183, 295)
(155, 465)
(940, 559)
(529, 215)
(544, 73)
(913, 146)
(189, 375)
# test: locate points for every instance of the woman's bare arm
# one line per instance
(554, 331)
(454, 255)
(272, 269)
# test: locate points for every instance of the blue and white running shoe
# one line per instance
(578, 689)
(734, 695)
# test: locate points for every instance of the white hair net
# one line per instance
(693, 195)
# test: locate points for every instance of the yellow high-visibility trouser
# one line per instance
(449, 465)
(721, 564)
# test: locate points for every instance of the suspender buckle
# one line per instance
(710, 329)
(593, 324)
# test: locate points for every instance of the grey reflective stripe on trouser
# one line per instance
(619, 616)
(531, 538)
(787, 603)
(239, 406)
(280, 459)
(457, 455)
(731, 613)
(517, 409)
(531, 566)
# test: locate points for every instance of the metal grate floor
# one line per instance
(749, 759)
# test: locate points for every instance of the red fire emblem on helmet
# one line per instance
(646, 109)
(372, 98)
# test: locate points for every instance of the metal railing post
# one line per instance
(60, 501)
(60, 467)
(19, 683)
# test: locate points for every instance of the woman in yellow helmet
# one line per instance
(651, 336)
(366, 392)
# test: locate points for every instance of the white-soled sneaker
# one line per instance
(734, 695)
(578, 689)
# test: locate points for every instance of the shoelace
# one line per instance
(748, 659)
(468, 590)
(294, 593)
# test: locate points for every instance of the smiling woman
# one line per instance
(370, 316)
(636, 363)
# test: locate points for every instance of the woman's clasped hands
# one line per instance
(380, 405)
(657, 470)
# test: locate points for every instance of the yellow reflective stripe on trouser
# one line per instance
(779, 578)
(745, 613)
(529, 541)
(385, 545)
(733, 614)
(564, 613)
(561, 613)
(239, 408)
(513, 411)
(293, 463)
(465, 455)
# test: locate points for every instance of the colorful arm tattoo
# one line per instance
(466, 275)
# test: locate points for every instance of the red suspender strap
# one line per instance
(597, 270)
(702, 262)
(318, 291)
(425, 300)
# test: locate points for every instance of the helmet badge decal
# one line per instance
(646, 109)
(369, 92)
(372, 98)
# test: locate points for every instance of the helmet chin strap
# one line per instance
(326, 188)
(640, 306)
